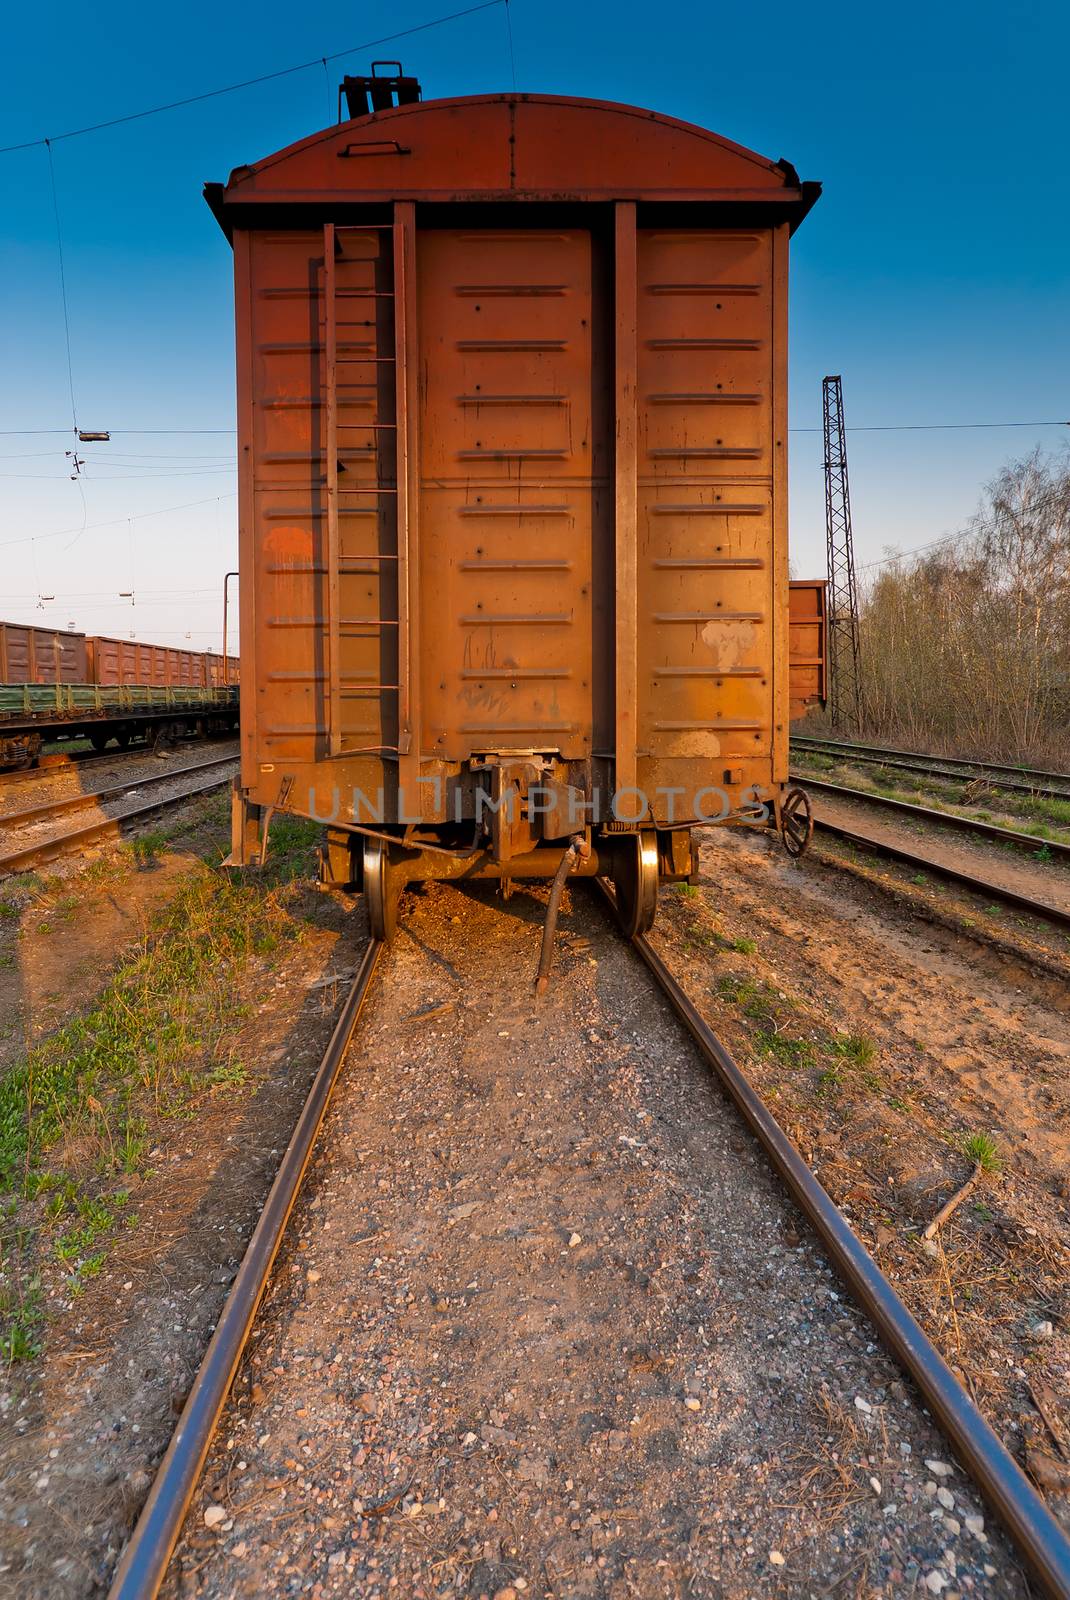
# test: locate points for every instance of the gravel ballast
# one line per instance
(545, 1324)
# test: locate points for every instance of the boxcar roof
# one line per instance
(528, 147)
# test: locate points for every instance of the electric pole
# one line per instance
(845, 673)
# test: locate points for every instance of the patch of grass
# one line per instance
(743, 947)
(229, 1076)
(292, 846)
(982, 1148)
(789, 1052)
(856, 1048)
(147, 848)
(164, 1007)
(20, 1339)
(76, 1110)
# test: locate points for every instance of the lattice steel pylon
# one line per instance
(844, 663)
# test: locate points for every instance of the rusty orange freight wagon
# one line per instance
(127, 661)
(807, 644)
(41, 655)
(512, 475)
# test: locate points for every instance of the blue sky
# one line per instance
(933, 274)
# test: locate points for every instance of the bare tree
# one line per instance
(967, 647)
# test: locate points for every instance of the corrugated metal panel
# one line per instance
(514, 477)
(705, 506)
(293, 396)
(128, 661)
(41, 655)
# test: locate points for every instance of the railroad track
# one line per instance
(1025, 1517)
(1030, 842)
(939, 869)
(43, 851)
(50, 766)
(1026, 780)
(964, 880)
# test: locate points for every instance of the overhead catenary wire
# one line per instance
(937, 427)
(876, 427)
(249, 83)
(115, 522)
(509, 36)
(62, 281)
(1054, 499)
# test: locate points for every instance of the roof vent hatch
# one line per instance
(380, 91)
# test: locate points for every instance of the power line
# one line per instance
(249, 83)
(62, 282)
(140, 516)
(936, 427)
(884, 561)
(28, 433)
(883, 427)
(509, 35)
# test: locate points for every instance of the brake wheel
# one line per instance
(796, 822)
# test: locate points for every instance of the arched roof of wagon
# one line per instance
(513, 147)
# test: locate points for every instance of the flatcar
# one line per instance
(512, 417)
(61, 685)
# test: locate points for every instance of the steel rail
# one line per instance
(985, 830)
(927, 769)
(108, 828)
(144, 1561)
(74, 802)
(1024, 1515)
(966, 880)
(807, 739)
(53, 763)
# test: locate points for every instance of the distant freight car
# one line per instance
(807, 645)
(106, 689)
(41, 655)
(513, 500)
(115, 661)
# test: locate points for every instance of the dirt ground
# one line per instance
(966, 1025)
(545, 1325)
(544, 1322)
(81, 1427)
(1006, 867)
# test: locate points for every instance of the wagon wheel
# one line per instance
(383, 883)
(796, 821)
(635, 879)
